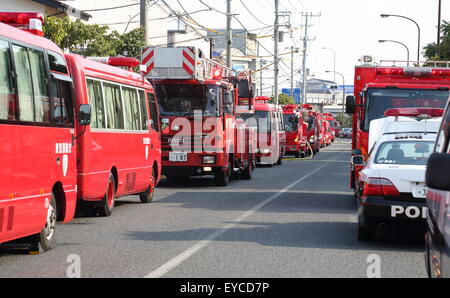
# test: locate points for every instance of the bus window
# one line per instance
(62, 102)
(24, 83)
(144, 112)
(114, 109)
(40, 88)
(96, 101)
(154, 121)
(132, 119)
(57, 63)
(7, 97)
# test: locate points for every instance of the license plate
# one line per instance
(294, 148)
(419, 190)
(178, 157)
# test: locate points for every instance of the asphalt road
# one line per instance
(294, 220)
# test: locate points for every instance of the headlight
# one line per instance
(210, 159)
(312, 139)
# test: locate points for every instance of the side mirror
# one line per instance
(350, 105)
(84, 115)
(358, 160)
(164, 123)
(437, 176)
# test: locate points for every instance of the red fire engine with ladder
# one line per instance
(379, 88)
(199, 107)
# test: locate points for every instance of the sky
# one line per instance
(351, 27)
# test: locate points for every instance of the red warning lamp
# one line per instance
(27, 21)
(414, 112)
(217, 73)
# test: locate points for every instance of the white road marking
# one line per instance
(178, 260)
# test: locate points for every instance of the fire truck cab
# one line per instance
(295, 140)
(312, 130)
(379, 88)
(271, 133)
(198, 105)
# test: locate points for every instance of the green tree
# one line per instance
(442, 52)
(93, 40)
(132, 43)
(283, 99)
(80, 38)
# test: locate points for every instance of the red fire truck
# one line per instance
(379, 88)
(38, 184)
(199, 107)
(334, 125)
(119, 153)
(313, 129)
(295, 139)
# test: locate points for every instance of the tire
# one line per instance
(248, 173)
(280, 160)
(107, 204)
(223, 177)
(45, 240)
(147, 197)
(365, 234)
(302, 155)
(297, 154)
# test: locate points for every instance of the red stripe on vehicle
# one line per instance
(188, 69)
(150, 67)
(188, 58)
(148, 57)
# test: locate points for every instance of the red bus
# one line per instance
(38, 183)
(119, 153)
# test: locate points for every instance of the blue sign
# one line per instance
(349, 89)
(297, 94)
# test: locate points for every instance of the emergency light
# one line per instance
(27, 21)
(127, 62)
(217, 74)
(413, 72)
(414, 112)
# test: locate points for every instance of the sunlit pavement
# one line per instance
(294, 220)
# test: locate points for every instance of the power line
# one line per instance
(110, 8)
(251, 13)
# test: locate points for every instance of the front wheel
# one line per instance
(223, 177)
(248, 173)
(46, 240)
(107, 204)
(147, 197)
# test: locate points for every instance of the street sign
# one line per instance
(297, 94)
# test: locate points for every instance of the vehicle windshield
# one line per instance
(380, 100)
(184, 100)
(262, 119)
(290, 122)
(404, 152)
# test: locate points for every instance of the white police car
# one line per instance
(391, 188)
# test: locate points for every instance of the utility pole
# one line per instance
(305, 47)
(305, 50)
(439, 23)
(229, 34)
(144, 22)
(261, 71)
(276, 66)
(292, 71)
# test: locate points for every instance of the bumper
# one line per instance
(404, 215)
(190, 171)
